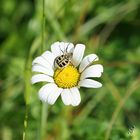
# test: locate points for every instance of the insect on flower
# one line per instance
(63, 60)
(65, 70)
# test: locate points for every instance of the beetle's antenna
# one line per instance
(61, 49)
(67, 47)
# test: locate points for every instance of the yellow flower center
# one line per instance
(67, 77)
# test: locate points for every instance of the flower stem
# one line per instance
(43, 120)
(43, 25)
(25, 124)
(44, 105)
(27, 76)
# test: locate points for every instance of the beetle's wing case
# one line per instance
(56, 62)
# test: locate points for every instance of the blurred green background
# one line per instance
(109, 28)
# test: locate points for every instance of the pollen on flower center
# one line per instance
(67, 77)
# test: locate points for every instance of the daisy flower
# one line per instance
(65, 81)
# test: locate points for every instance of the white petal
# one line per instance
(69, 47)
(89, 83)
(41, 78)
(78, 54)
(45, 91)
(41, 61)
(54, 94)
(58, 48)
(87, 60)
(49, 93)
(66, 96)
(75, 96)
(55, 48)
(39, 68)
(62, 47)
(49, 57)
(92, 71)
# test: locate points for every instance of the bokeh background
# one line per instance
(109, 28)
